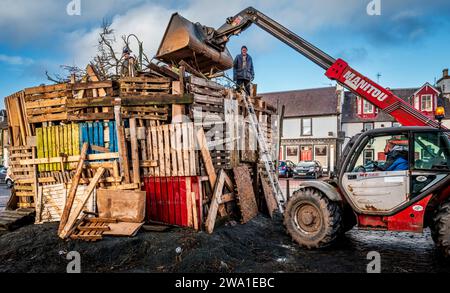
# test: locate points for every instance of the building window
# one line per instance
(291, 151)
(426, 103)
(367, 107)
(368, 126)
(307, 127)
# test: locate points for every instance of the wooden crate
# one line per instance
(51, 201)
(171, 147)
(47, 103)
(160, 113)
(18, 123)
(23, 175)
(91, 229)
(142, 86)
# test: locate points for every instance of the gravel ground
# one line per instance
(258, 246)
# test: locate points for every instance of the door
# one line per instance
(378, 186)
(431, 161)
(306, 153)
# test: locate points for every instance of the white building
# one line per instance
(310, 126)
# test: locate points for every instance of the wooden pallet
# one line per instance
(91, 229)
(17, 119)
(142, 86)
(23, 175)
(11, 220)
(47, 103)
(51, 200)
(155, 112)
(55, 141)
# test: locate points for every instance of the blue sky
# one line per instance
(408, 44)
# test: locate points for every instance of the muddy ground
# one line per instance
(259, 246)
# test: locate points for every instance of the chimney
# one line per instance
(445, 72)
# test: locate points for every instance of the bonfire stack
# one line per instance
(167, 139)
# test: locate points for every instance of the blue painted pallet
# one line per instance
(94, 134)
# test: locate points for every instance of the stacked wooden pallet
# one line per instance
(56, 141)
(17, 119)
(92, 229)
(83, 106)
(23, 174)
(47, 103)
(51, 201)
(167, 150)
(144, 86)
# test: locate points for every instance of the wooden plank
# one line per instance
(269, 195)
(215, 200)
(206, 156)
(123, 152)
(46, 89)
(192, 155)
(194, 211)
(167, 162)
(123, 229)
(75, 213)
(128, 186)
(162, 166)
(205, 83)
(245, 193)
(173, 151)
(55, 160)
(186, 157)
(155, 148)
(134, 152)
(157, 99)
(179, 147)
(73, 189)
(189, 202)
(123, 205)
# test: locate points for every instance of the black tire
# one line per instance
(312, 220)
(9, 183)
(440, 230)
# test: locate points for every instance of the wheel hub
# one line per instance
(308, 218)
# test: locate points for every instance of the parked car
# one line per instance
(311, 169)
(5, 178)
(286, 169)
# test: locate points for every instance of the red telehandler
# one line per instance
(381, 198)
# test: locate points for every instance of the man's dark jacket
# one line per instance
(239, 72)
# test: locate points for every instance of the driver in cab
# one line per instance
(397, 159)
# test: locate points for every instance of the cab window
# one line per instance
(431, 151)
(383, 153)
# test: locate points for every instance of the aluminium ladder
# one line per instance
(264, 153)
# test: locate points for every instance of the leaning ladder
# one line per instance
(264, 153)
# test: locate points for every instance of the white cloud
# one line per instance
(15, 60)
(149, 20)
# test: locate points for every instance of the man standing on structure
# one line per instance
(129, 64)
(243, 72)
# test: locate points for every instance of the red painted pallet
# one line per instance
(168, 202)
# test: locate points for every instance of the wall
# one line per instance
(320, 127)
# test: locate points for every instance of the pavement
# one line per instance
(4, 196)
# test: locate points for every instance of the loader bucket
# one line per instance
(184, 40)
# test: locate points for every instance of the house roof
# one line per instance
(350, 111)
(304, 103)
